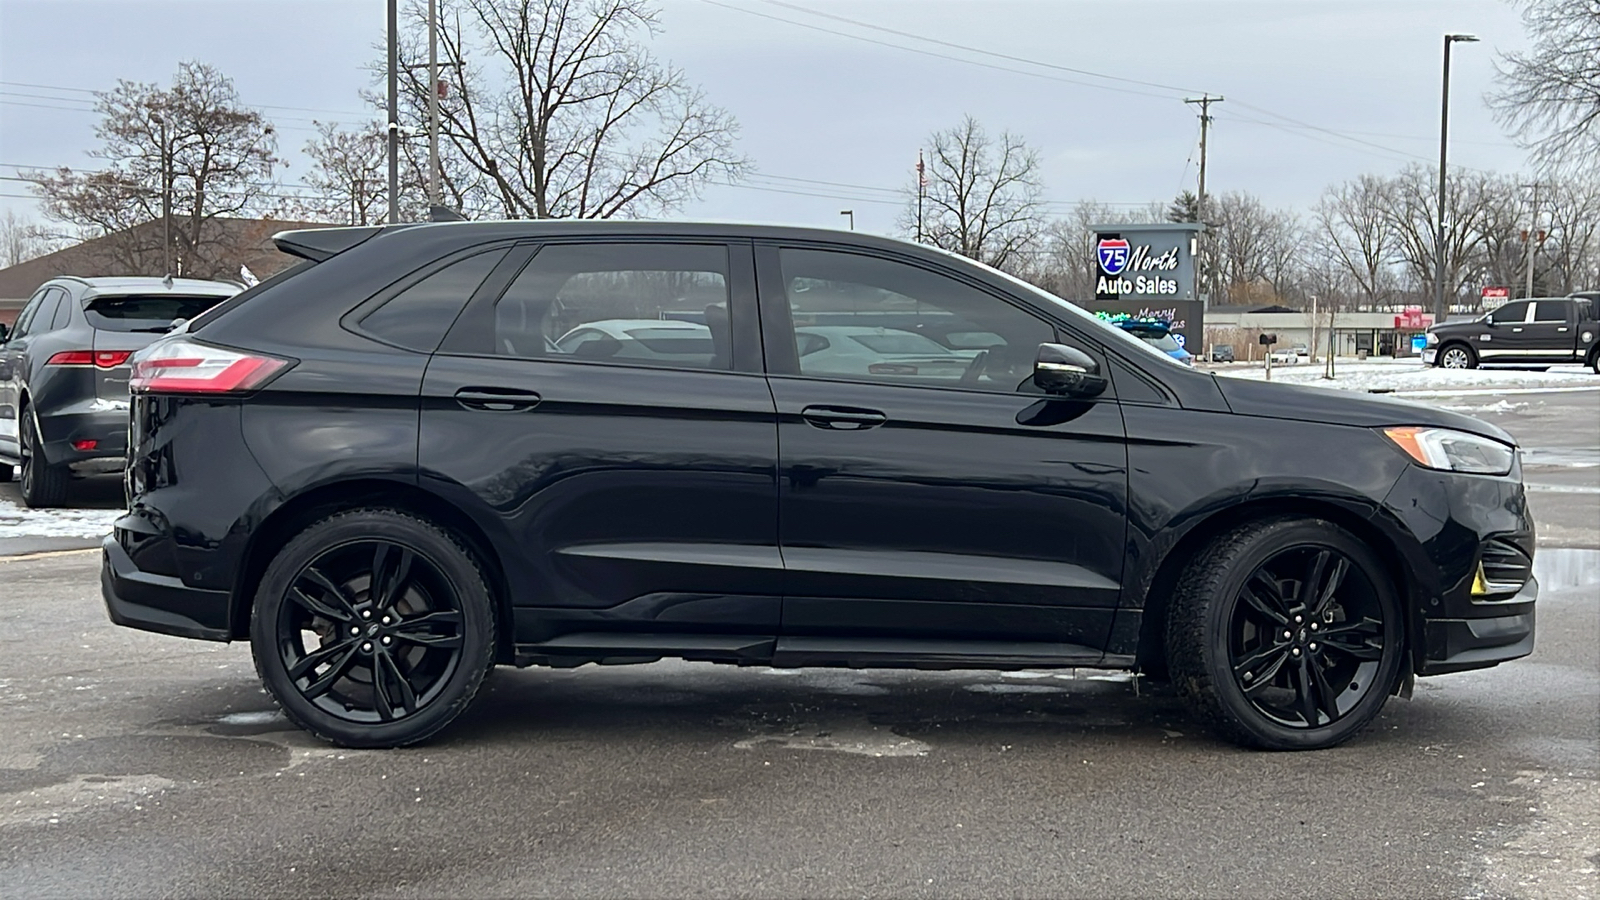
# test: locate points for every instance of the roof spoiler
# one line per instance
(318, 244)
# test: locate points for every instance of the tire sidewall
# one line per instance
(1472, 356)
(1274, 540)
(422, 538)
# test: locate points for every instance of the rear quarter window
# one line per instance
(145, 312)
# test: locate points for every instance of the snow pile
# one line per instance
(19, 521)
(1413, 378)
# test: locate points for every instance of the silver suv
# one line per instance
(64, 373)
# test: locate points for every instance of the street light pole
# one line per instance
(433, 104)
(166, 197)
(852, 214)
(394, 113)
(1444, 142)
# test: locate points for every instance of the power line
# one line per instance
(970, 62)
(60, 87)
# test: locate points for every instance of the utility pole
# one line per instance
(922, 191)
(433, 104)
(394, 113)
(1204, 102)
(1531, 235)
(166, 196)
(1328, 372)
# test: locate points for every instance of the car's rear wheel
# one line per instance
(1286, 634)
(42, 485)
(373, 628)
(1458, 356)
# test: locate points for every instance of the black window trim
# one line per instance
(743, 317)
(778, 324)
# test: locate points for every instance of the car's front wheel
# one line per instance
(373, 628)
(1458, 356)
(42, 485)
(1286, 634)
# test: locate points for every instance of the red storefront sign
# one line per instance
(1412, 318)
(1494, 295)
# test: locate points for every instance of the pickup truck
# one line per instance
(1536, 333)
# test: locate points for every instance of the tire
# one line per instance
(1594, 363)
(1468, 358)
(5, 472)
(42, 485)
(1272, 669)
(364, 669)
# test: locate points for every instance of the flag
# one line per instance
(248, 277)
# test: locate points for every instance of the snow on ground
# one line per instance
(1411, 378)
(17, 521)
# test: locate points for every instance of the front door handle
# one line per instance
(1517, 329)
(842, 418)
(497, 399)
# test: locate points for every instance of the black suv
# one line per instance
(64, 373)
(431, 449)
(1535, 333)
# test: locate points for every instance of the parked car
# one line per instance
(686, 343)
(863, 350)
(1301, 350)
(1535, 333)
(349, 467)
(1285, 356)
(64, 373)
(1222, 353)
(1158, 335)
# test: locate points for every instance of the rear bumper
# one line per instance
(102, 421)
(160, 603)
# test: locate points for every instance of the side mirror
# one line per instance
(1068, 371)
(1489, 320)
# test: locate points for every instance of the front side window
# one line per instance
(26, 317)
(630, 304)
(865, 318)
(1511, 313)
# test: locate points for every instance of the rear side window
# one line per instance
(417, 317)
(1551, 310)
(63, 315)
(145, 312)
(630, 304)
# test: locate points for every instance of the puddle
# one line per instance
(250, 718)
(859, 741)
(1563, 568)
(1015, 689)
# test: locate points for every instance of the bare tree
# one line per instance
(556, 108)
(21, 239)
(1570, 213)
(192, 142)
(1550, 95)
(1254, 246)
(349, 174)
(1352, 229)
(1413, 219)
(984, 199)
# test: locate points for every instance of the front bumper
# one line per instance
(1457, 645)
(1429, 354)
(160, 603)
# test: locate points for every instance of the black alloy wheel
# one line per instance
(1457, 356)
(42, 485)
(1286, 635)
(373, 629)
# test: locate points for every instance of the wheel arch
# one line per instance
(316, 503)
(1151, 653)
(1463, 343)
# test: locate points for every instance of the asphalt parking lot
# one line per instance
(137, 765)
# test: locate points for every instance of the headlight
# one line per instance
(1432, 340)
(1453, 451)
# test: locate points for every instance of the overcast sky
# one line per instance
(1316, 92)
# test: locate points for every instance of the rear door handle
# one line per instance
(1516, 329)
(497, 399)
(842, 418)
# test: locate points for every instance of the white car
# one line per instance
(1286, 357)
(863, 350)
(662, 340)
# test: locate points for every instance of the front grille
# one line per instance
(1505, 567)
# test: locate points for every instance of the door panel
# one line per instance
(629, 486)
(924, 492)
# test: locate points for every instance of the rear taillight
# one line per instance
(184, 366)
(103, 359)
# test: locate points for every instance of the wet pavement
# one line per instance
(138, 765)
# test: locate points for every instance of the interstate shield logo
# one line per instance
(1113, 254)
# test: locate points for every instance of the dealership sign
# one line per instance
(1145, 262)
